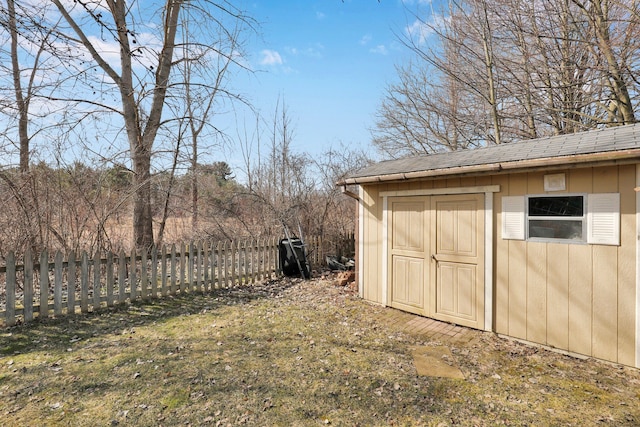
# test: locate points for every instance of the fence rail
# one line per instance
(67, 285)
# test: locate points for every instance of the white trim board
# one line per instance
(385, 248)
(637, 267)
(488, 261)
(360, 241)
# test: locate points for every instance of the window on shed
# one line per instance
(573, 218)
(556, 217)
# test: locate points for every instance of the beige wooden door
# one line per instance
(408, 253)
(458, 259)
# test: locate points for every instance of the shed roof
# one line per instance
(613, 144)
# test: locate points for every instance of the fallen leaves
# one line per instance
(290, 352)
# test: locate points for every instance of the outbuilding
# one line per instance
(536, 240)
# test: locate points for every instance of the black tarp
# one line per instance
(292, 253)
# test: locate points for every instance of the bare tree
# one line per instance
(463, 64)
(204, 70)
(422, 114)
(142, 77)
(615, 33)
(520, 68)
(27, 66)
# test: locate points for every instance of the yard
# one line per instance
(289, 352)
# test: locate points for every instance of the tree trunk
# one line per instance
(142, 217)
(23, 122)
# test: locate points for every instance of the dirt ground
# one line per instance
(292, 353)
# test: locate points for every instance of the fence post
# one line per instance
(133, 276)
(190, 260)
(268, 256)
(71, 283)
(173, 269)
(258, 258)
(110, 279)
(122, 276)
(273, 256)
(154, 271)
(183, 272)
(57, 284)
(97, 267)
(10, 290)
(144, 288)
(234, 262)
(28, 286)
(206, 263)
(163, 270)
(84, 282)
(278, 262)
(224, 266)
(200, 274)
(265, 256)
(44, 284)
(249, 261)
(243, 262)
(218, 263)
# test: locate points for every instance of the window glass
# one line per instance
(556, 206)
(556, 229)
(556, 218)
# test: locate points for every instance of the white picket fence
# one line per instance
(70, 284)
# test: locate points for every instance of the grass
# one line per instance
(287, 353)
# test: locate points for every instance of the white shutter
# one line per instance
(603, 219)
(513, 217)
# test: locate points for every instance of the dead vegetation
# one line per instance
(288, 352)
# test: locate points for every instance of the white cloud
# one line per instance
(365, 39)
(419, 31)
(310, 52)
(270, 57)
(379, 49)
(320, 15)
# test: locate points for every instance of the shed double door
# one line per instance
(436, 257)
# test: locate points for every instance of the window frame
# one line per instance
(583, 240)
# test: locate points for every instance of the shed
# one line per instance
(536, 240)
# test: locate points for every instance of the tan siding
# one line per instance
(372, 271)
(453, 182)
(626, 267)
(558, 295)
(605, 276)
(580, 276)
(580, 298)
(440, 183)
(605, 299)
(536, 307)
(484, 180)
(468, 182)
(501, 261)
(536, 276)
(517, 266)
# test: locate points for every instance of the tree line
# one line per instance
(110, 105)
(82, 207)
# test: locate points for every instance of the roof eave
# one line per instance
(603, 158)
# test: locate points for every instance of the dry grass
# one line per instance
(287, 353)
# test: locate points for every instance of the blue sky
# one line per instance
(331, 61)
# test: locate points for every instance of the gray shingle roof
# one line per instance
(620, 141)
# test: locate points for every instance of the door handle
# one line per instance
(433, 257)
